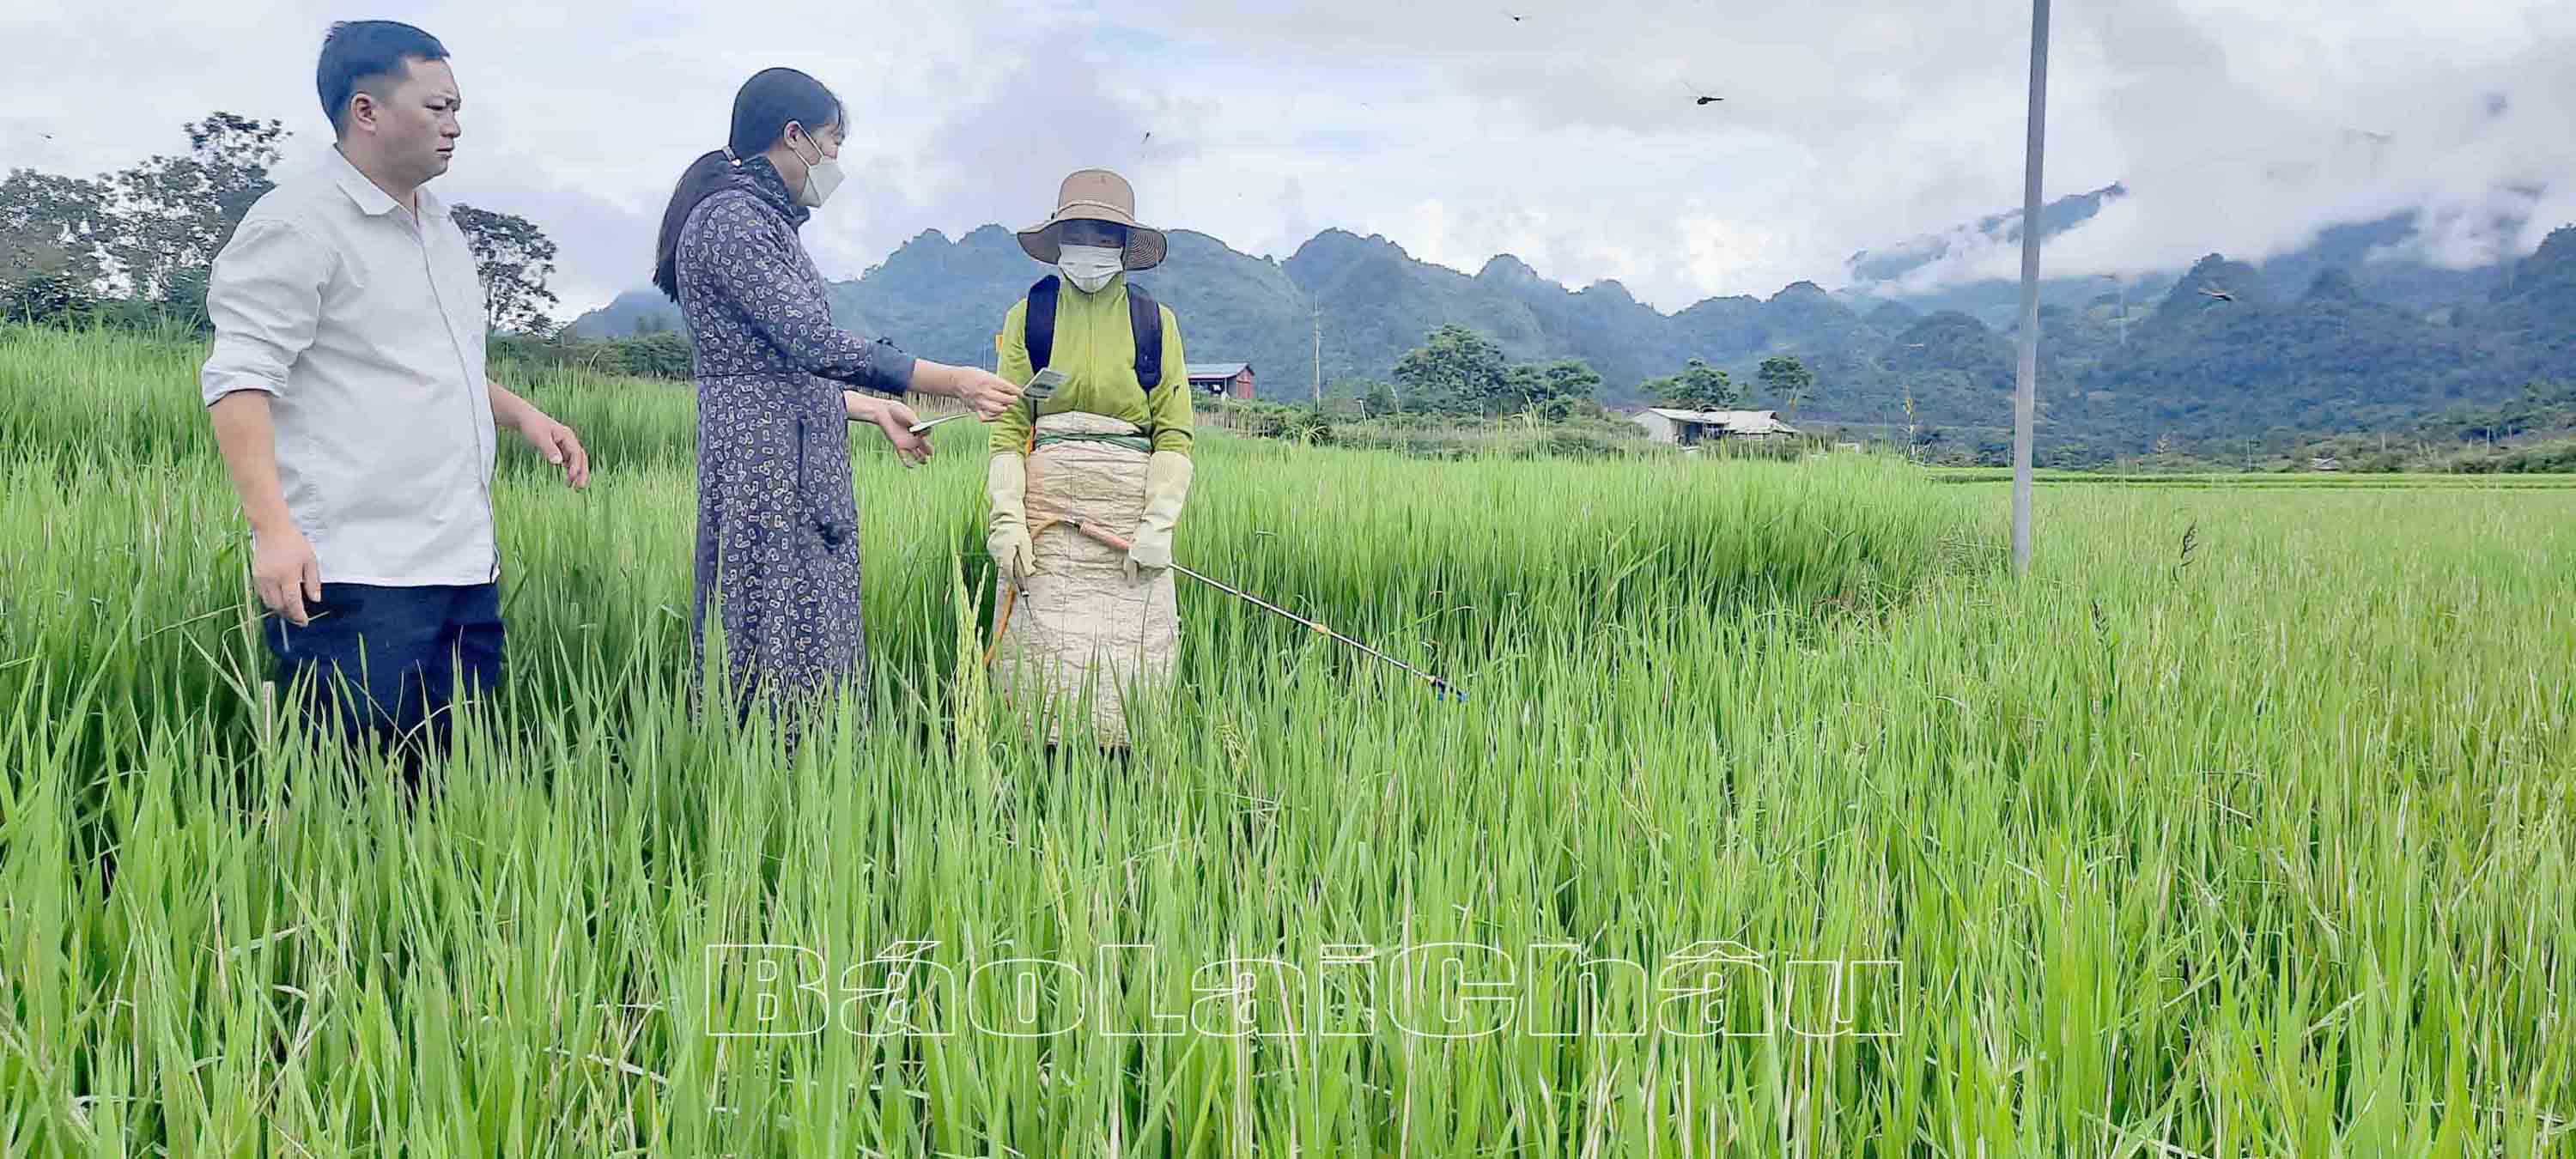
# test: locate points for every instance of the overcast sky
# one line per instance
(1569, 136)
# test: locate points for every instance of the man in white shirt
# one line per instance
(347, 391)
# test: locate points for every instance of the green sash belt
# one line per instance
(1131, 442)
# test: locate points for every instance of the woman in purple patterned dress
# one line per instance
(778, 544)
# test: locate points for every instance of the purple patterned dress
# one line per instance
(778, 543)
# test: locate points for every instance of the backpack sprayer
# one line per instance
(1044, 384)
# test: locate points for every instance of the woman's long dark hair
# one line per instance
(761, 110)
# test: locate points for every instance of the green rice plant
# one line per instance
(2258, 856)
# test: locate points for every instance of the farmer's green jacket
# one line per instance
(1096, 352)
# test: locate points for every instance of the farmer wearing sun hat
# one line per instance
(1110, 448)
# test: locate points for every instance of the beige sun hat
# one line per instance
(1096, 195)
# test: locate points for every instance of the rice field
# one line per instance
(2244, 826)
(2241, 480)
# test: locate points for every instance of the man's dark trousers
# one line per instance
(384, 663)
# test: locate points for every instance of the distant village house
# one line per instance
(1690, 428)
(1222, 378)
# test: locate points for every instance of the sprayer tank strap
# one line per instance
(1144, 320)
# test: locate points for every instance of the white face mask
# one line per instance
(1089, 267)
(822, 176)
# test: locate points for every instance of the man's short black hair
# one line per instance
(366, 54)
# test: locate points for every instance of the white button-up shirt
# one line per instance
(364, 324)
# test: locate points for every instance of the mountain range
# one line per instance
(2331, 336)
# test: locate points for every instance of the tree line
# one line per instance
(1457, 372)
(135, 247)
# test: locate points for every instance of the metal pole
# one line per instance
(1319, 357)
(2025, 393)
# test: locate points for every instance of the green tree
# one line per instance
(1454, 371)
(1557, 389)
(663, 354)
(1523, 389)
(45, 296)
(1353, 398)
(54, 233)
(1786, 377)
(173, 214)
(1699, 386)
(514, 258)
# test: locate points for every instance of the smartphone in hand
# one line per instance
(1044, 383)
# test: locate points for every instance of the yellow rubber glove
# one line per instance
(1006, 484)
(1167, 488)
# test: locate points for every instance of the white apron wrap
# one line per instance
(1080, 633)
